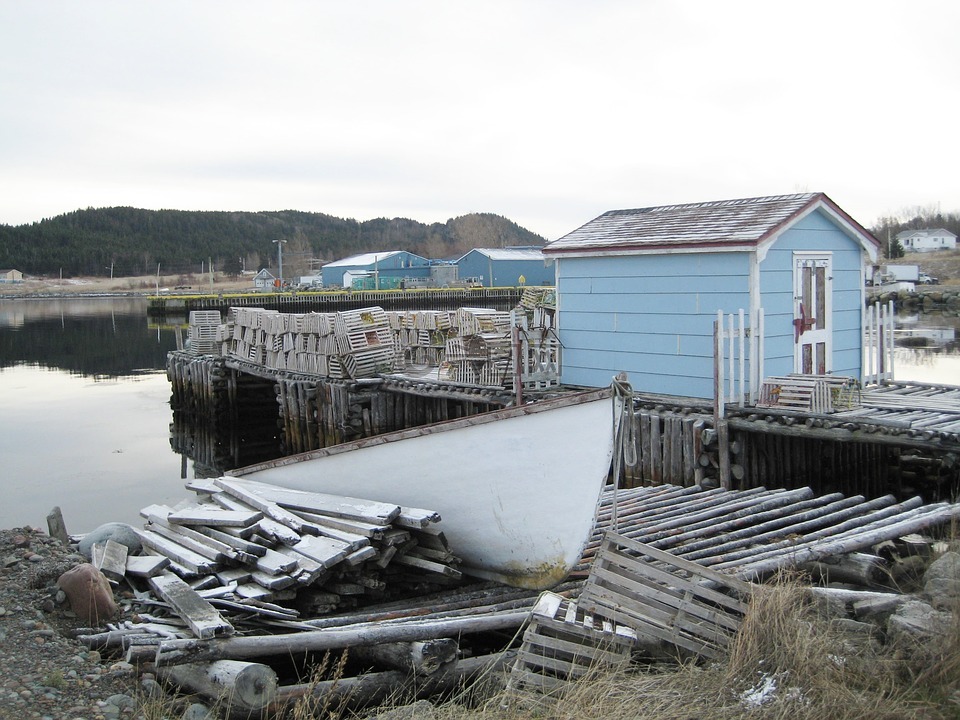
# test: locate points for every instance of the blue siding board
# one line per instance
(682, 266)
(632, 322)
(640, 343)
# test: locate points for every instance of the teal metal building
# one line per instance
(506, 267)
(388, 269)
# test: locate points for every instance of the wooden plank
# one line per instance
(237, 543)
(354, 527)
(215, 517)
(369, 552)
(145, 566)
(428, 565)
(309, 570)
(416, 518)
(275, 563)
(182, 556)
(157, 516)
(326, 551)
(201, 617)
(269, 508)
(370, 511)
(110, 558)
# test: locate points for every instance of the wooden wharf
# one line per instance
(904, 439)
(824, 432)
(501, 298)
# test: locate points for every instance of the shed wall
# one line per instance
(813, 233)
(648, 315)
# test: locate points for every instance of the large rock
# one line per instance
(118, 532)
(89, 594)
(918, 623)
(941, 582)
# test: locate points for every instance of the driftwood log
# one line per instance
(863, 569)
(234, 684)
(173, 652)
(421, 657)
(374, 688)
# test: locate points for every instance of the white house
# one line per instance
(927, 240)
(9, 275)
(264, 280)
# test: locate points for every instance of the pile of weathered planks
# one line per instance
(243, 542)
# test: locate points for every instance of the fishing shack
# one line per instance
(640, 290)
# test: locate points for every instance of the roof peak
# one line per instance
(763, 199)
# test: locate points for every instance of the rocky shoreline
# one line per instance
(44, 672)
(923, 298)
(47, 674)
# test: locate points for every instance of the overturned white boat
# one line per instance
(517, 489)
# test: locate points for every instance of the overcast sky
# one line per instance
(548, 113)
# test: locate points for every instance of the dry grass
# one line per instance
(786, 663)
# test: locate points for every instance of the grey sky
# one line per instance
(548, 113)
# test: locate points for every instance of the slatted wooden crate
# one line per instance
(674, 605)
(810, 393)
(563, 643)
(348, 321)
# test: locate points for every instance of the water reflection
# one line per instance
(927, 347)
(90, 337)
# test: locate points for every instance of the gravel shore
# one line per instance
(44, 672)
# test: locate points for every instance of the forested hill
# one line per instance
(128, 241)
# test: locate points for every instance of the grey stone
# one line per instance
(198, 712)
(917, 622)
(121, 701)
(152, 689)
(941, 582)
(118, 532)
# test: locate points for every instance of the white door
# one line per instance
(812, 317)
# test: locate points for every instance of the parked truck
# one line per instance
(896, 273)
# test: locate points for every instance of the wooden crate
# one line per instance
(675, 606)
(563, 643)
(810, 393)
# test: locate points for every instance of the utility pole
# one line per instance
(280, 242)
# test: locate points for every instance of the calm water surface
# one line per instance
(85, 413)
(85, 419)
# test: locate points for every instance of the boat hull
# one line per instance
(516, 489)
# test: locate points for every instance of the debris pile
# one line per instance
(249, 550)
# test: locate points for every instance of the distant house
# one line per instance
(388, 269)
(264, 280)
(927, 240)
(9, 275)
(506, 267)
(639, 290)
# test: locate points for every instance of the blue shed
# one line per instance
(392, 266)
(639, 290)
(504, 267)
